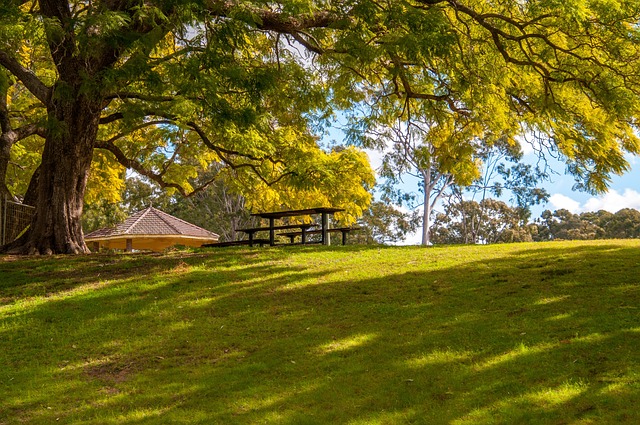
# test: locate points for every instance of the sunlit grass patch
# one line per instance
(438, 357)
(551, 300)
(521, 350)
(561, 316)
(344, 344)
(530, 407)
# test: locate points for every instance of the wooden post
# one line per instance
(272, 232)
(129, 245)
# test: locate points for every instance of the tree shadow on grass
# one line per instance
(533, 336)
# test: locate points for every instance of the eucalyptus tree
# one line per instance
(438, 154)
(167, 87)
(488, 221)
(382, 223)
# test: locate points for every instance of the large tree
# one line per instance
(165, 87)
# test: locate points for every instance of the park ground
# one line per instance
(541, 333)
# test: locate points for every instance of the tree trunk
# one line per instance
(5, 156)
(427, 208)
(7, 138)
(56, 227)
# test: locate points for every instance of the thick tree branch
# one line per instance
(270, 20)
(137, 166)
(136, 128)
(220, 150)
(411, 94)
(26, 77)
(29, 130)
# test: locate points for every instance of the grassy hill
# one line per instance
(505, 334)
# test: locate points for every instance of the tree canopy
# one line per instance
(168, 87)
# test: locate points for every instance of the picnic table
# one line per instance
(304, 228)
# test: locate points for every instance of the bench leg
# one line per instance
(325, 229)
(251, 239)
(344, 237)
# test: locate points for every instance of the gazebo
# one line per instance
(150, 229)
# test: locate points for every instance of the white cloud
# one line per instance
(526, 146)
(612, 201)
(559, 201)
(375, 158)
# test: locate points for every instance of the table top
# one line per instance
(294, 213)
(304, 226)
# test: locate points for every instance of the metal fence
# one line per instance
(16, 218)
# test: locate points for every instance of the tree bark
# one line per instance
(5, 156)
(56, 227)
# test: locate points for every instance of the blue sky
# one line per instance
(624, 191)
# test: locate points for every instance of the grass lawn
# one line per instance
(545, 333)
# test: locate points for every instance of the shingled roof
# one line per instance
(152, 229)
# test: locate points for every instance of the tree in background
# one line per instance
(502, 174)
(564, 225)
(167, 88)
(382, 223)
(488, 221)
(437, 154)
(624, 224)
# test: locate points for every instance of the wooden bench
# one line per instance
(261, 242)
(344, 230)
(304, 229)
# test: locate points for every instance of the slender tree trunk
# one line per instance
(426, 216)
(66, 160)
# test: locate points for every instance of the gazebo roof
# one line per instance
(152, 223)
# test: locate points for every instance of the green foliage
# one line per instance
(382, 223)
(488, 221)
(562, 224)
(479, 71)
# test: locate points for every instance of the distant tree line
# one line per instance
(562, 224)
(492, 221)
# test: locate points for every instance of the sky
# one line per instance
(624, 191)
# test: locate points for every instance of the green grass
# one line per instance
(505, 334)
